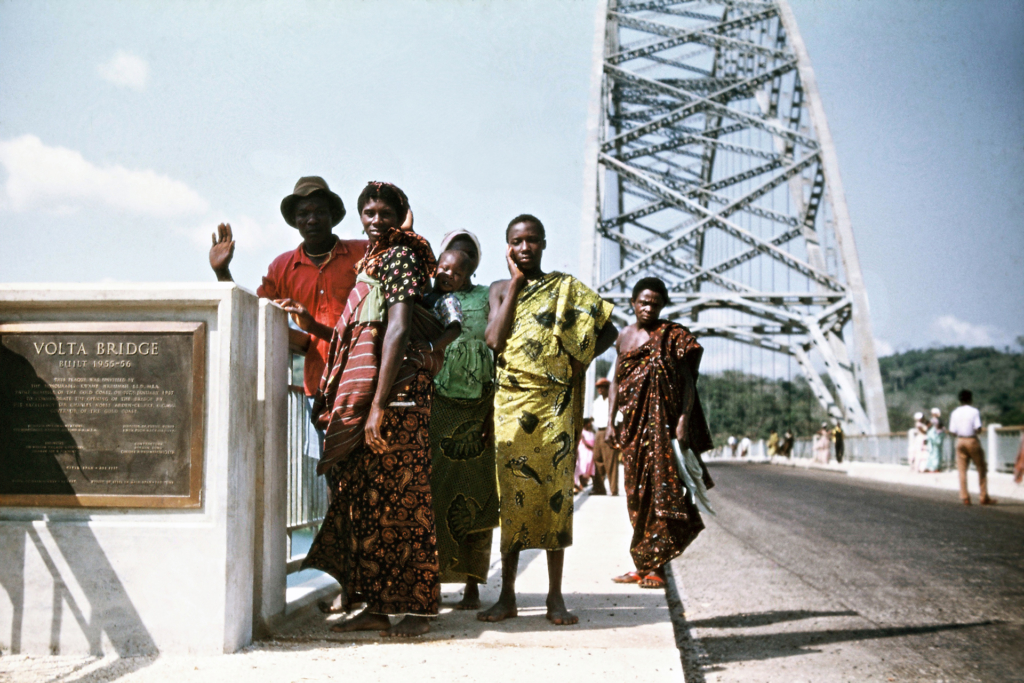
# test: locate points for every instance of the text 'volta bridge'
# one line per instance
(713, 168)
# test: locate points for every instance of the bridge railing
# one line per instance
(1004, 444)
(1001, 445)
(307, 492)
(887, 449)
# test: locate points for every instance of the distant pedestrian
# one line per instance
(965, 425)
(838, 438)
(585, 455)
(773, 444)
(731, 445)
(917, 449)
(1018, 467)
(606, 458)
(787, 444)
(933, 440)
(822, 445)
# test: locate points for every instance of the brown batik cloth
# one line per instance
(665, 519)
(378, 538)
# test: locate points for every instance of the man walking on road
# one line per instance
(606, 457)
(965, 425)
(655, 388)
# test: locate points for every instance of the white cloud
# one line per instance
(249, 234)
(883, 348)
(125, 70)
(57, 179)
(951, 331)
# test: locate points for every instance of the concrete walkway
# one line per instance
(625, 633)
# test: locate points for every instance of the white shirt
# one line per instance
(965, 421)
(599, 410)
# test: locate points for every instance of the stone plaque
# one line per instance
(102, 414)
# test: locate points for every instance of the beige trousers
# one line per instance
(606, 464)
(967, 451)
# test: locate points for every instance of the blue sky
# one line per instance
(129, 130)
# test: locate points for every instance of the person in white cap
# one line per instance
(917, 449)
(933, 440)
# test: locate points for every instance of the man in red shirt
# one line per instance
(313, 281)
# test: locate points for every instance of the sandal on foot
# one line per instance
(629, 577)
(652, 581)
(327, 607)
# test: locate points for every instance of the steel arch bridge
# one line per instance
(711, 165)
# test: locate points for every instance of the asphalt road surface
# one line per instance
(810, 575)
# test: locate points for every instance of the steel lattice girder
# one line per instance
(660, 137)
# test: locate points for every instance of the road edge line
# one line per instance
(691, 651)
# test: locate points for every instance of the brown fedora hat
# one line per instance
(306, 186)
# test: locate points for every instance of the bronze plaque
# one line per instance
(102, 414)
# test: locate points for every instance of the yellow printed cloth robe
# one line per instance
(538, 409)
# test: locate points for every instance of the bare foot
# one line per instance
(364, 621)
(412, 625)
(558, 614)
(470, 598)
(504, 609)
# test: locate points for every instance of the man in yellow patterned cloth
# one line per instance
(546, 329)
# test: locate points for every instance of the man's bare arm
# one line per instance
(605, 338)
(689, 398)
(221, 252)
(304, 319)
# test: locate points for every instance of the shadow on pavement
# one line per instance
(722, 649)
(765, 618)
(596, 611)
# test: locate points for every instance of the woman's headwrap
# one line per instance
(395, 237)
(453, 235)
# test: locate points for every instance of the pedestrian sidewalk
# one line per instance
(1000, 484)
(625, 633)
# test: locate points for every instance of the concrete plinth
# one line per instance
(145, 581)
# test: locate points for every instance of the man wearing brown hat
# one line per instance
(313, 281)
(606, 458)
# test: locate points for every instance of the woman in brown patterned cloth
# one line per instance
(378, 538)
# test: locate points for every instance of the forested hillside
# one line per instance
(746, 405)
(738, 404)
(918, 380)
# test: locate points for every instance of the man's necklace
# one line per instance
(319, 255)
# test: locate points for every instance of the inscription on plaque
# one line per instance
(101, 414)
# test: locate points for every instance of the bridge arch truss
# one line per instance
(712, 166)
